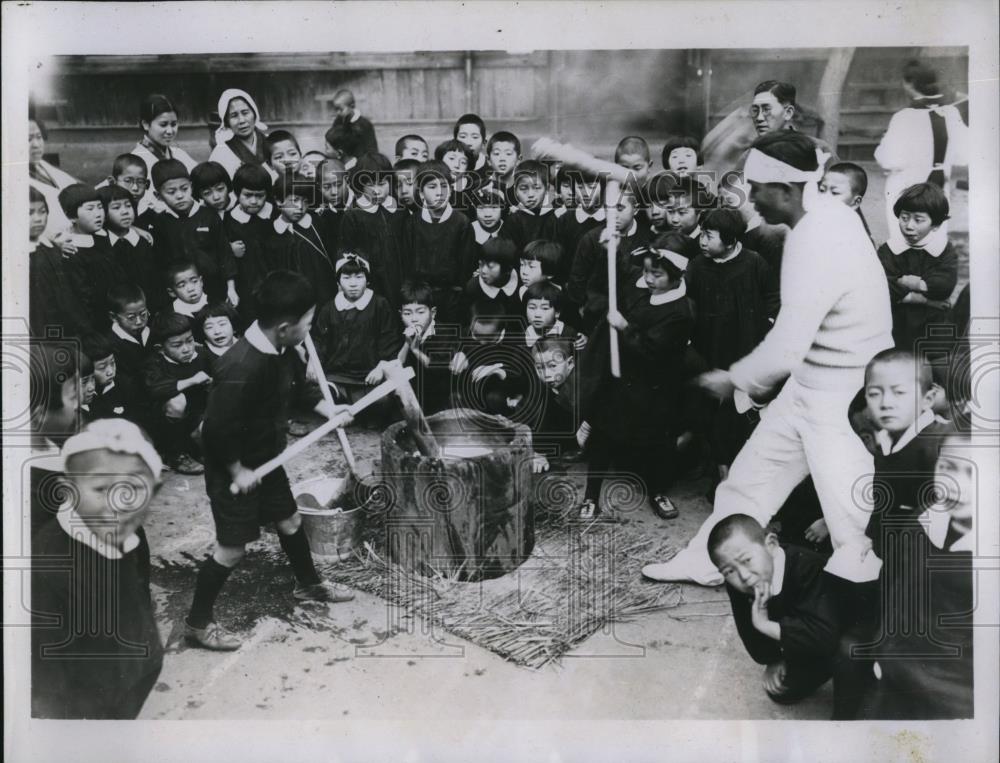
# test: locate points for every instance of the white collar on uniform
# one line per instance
(582, 215)
(531, 336)
(540, 212)
(736, 251)
(218, 351)
(933, 243)
(508, 288)
(631, 230)
(428, 333)
(188, 309)
(75, 527)
(482, 235)
(42, 240)
(240, 216)
(696, 232)
(194, 210)
(281, 225)
(667, 296)
(425, 215)
(342, 303)
(754, 222)
(118, 331)
(935, 521)
(362, 203)
(778, 575)
(885, 443)
(85, 240)
(132, 237)
(480, 162)
(259, 341)
(355, 116)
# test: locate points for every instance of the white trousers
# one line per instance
(802, 432)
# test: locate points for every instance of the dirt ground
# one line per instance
(366, 660)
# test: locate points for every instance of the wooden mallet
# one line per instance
(616, 175)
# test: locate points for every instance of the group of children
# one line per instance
(193, 285)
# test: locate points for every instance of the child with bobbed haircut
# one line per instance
(440, 242)
(213, 187)
(217, 328)
(246, 423)
(489, 206)
(543, 304)
(356, 333)
(496, 281)
(540, 261)
(294, 243)
(530, 218)
(184, 229)
(248, 226)
(374, 227)
(457, 157)
(783, 604)
(112, 473)
(920, 264)
(92, 268)
(633, 419)
(586, 214)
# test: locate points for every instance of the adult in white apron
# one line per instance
(240, 137)
(46, 178)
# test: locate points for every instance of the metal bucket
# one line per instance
(332, 533)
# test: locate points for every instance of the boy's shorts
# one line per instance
(238, 518)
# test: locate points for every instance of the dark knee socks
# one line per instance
(211, 577)
(296, 547)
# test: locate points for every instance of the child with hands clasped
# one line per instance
(248, 227)
(245, 425)
(356, 332)
(920, 263)
(425, 349)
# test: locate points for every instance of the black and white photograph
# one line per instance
(501, 381)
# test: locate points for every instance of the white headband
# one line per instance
(352, 258)
(116, 435)
(761, 168)
(224, 134)
(675, 258)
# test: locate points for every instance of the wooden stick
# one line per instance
(385, 388)
(571, 156)
(611, 194)
(324, 386)
(419, 428)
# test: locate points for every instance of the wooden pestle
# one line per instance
(427, 444)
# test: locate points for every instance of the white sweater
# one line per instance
(835, 313)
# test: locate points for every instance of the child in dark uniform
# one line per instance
(404, 175)
(490, 366)
(496, 281)
(185, 285)
(129, 330)
(426, 348)
(176, 383)
(588, 280)
(471, 130)
(735, 296)
(335, 198)
(295, 244)
(356, 332)
(539, 262)
(53, 301)
(92, 269)
(212, 186)
(131, 246)
(587, 214)
(248, 227)
(557, 423)
(245, 425)
(347, 117)
(488, 205)
(439, 242)
(217, 328)
(187, 230)
(503, 152)
(925, 668)
(633, 418)
(458, 159)
(920, 264)
(783, 604)
(91, 570)
(685, 200)
(530, 219)
(115, 397)
(373, 227)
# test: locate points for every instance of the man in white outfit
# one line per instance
(834, 318)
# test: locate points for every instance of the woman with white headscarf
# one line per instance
(240, 137)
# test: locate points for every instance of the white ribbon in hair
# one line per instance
(352, 258)
(762, 168)
(675, 258)
(224, 134)
(116, 435)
